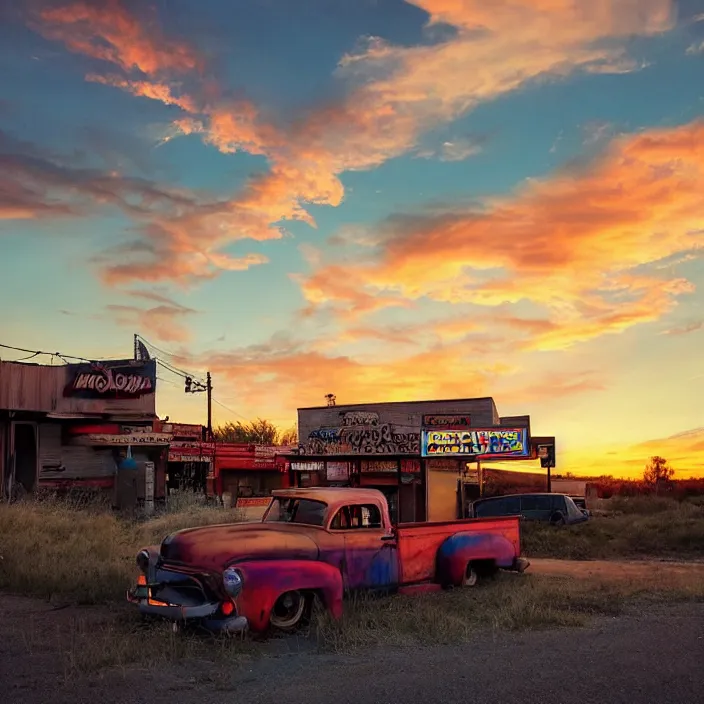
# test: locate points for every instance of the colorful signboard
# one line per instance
(447, 420)
(496, 443)
(115, 379)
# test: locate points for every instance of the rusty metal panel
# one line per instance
(40, 389)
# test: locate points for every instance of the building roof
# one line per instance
(399, 403)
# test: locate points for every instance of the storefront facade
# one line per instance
(425, 456)
(246, 474)
(63, 426)
(190, 458)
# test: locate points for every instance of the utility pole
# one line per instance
(193, 387)
(209, 389)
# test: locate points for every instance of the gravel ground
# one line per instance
(653, 656)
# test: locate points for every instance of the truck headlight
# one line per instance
(232, 580)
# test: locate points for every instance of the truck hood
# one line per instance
(215, 547)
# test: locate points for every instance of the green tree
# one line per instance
(657, 472)
(259, 431)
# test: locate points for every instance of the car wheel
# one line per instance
(288, 610)
(471, 577)
(557, 519)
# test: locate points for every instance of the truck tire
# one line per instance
(471, 576)
(288, 610)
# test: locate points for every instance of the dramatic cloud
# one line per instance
(571, 243)
(395, 94)
(302, 376)
(165, 321)
(146, 89)
(35, 184)
(106, 30)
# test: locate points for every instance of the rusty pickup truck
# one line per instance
(319, 543)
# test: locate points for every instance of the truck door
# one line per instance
(370, 561)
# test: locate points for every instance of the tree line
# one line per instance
(259, 432)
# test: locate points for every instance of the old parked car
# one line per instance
(556, 509)
(312, 543)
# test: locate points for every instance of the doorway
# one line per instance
(25, 455)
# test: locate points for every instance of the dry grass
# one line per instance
(511, 602)
(54, 549)
(636, 527)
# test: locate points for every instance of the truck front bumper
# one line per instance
(206, 615)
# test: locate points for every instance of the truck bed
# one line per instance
(418, 543)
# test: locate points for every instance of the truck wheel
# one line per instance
(471, 577)
(288, 610)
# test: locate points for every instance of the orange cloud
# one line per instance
(571, 243)
(399, 92)
(395, 94)
(164, 321)
(147, 89)
(302, 376)
(106, 30)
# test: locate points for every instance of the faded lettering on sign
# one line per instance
(361, 440)
(360, 418)
(118, 379)
(446, 421)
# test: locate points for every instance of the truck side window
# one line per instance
(352, 517)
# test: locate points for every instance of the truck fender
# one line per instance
(461, 548)
(264, 581)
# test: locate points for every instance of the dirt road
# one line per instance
(652, 657)
(613, 570)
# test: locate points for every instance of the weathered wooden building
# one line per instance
(69, 424)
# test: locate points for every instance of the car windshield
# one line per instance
(287, 510)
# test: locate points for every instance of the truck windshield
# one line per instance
(283, 510)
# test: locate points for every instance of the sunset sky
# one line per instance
(381, 199)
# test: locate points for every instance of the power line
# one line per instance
(61, 355)
(227, 408)
(167, 353)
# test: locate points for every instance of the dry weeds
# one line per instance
(58, 551)
(639, 527)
